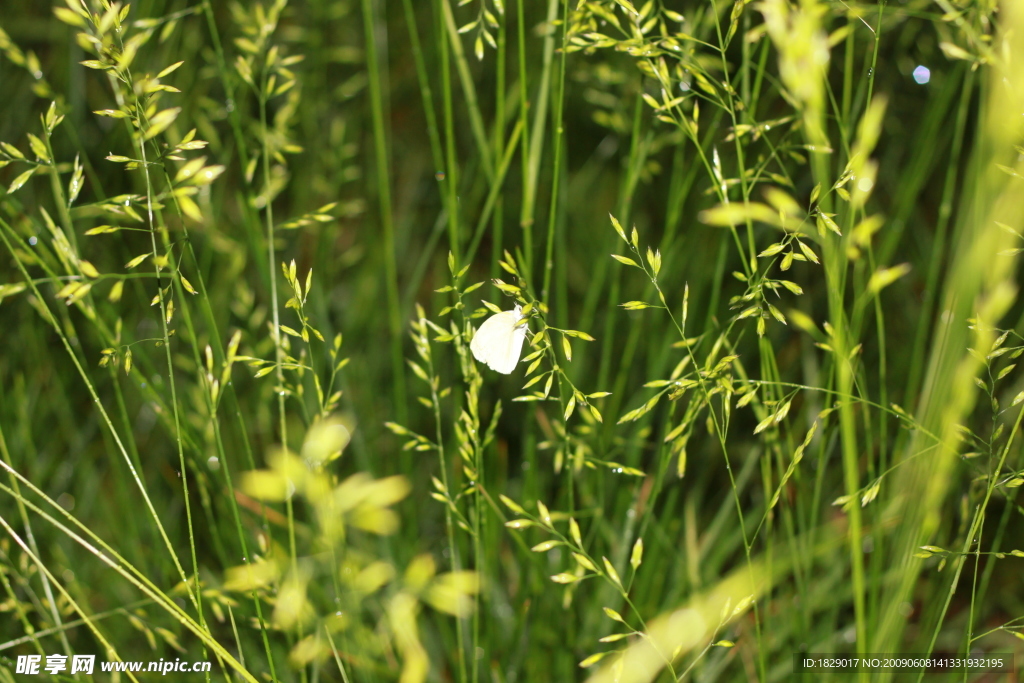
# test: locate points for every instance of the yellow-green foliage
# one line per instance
(768, 401)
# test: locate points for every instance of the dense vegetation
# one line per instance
(768, 401)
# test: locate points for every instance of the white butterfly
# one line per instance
(499, 341)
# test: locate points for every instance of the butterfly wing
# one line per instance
(499, 341)
(507, 361)
(488, 342)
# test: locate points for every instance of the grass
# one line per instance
(768, 405)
